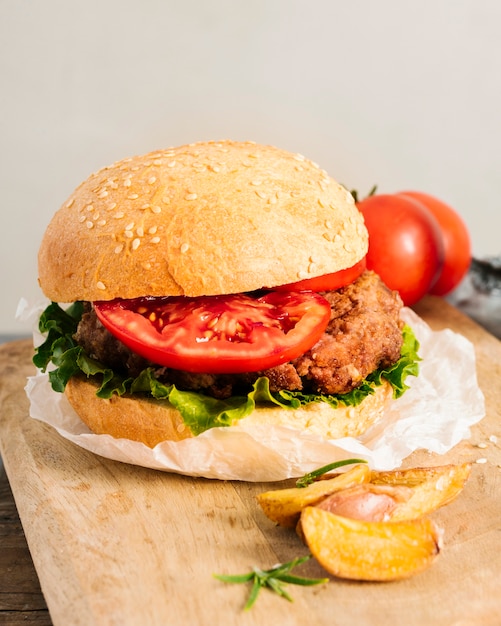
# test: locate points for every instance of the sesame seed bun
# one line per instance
(152, 421)
(203, 219)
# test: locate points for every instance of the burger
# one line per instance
(199, 286)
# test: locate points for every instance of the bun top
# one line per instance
(201, 219)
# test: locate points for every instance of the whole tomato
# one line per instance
(405, 244)
(457, 244)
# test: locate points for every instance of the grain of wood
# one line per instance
(21, 599)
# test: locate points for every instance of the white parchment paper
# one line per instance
(444, 401)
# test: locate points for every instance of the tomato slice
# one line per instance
(218, 334)
(328, 282)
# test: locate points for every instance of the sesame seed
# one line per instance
(119, 215)
(129, 234)
(136, 243)
(302, 275)
(215, 168)
(171, 164)
(140, 231)
(481, 461)
(320, 203)
(152, 180)
(295, 194)
(155, 239)
(82, 219)
(185, 247)
(147, 265)
(157, 162)
(191, 196)
(493, 439)
(129, 226)
(103, 194)
(112, 206)
(100, 285)
(256, 183)
(102, 223)
(482, 445)
(90, 208)
(328, 224)
(119, 248)
(152, 230)
(127, 182)
(261, 194)
(70, 203)
(89, 224)
(133, 196)
(156, 209)
(299, 157)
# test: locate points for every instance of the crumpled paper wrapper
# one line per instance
(444, 401)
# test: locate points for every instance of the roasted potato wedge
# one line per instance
(284, 506)
(432, 487)
(375, 551)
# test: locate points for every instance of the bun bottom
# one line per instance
(152, 421)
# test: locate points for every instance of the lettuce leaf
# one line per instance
(199, 411)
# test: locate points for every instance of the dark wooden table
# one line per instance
(21, 599)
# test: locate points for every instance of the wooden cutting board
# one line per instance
(115, 544)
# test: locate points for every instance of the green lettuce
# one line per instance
(199, 411)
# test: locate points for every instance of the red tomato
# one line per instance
(405, 244)
(327, 282)
(218, 334)
(457, 244)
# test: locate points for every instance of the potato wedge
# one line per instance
(376, 551)
(284, 506)
(432, 487)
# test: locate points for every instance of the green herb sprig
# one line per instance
(273, 579)
(310, 478)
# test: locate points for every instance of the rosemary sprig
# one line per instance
(309, 478)
(273, 579)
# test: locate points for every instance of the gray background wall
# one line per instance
(402, 94)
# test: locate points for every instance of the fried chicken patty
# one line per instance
(364, 333)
